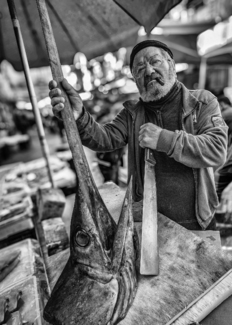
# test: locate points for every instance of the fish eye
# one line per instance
(82, 238)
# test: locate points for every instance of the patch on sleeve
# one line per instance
(218, 121)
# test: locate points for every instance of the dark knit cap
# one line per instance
(138, 47)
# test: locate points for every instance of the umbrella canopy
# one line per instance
(93, 27)
(147, 13)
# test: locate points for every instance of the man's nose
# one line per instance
(149, 69)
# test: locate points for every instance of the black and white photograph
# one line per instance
(116, 162)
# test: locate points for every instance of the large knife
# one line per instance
(149, 261)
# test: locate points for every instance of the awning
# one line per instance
(221, 55)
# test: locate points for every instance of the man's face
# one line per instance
(154, 73)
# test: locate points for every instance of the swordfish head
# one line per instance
(98, 283)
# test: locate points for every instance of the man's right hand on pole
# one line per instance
(57, 100)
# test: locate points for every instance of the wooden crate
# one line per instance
(33, 301)
(29, 277)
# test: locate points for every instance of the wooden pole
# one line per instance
(43, 247)
(31, 91)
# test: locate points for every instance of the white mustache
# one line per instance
(157, 78)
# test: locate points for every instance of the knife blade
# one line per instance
(149, 260)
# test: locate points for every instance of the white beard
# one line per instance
(156, 91)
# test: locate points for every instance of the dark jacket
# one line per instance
(201, 145)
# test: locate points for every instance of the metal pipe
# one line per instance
(30, 87)
(202, 73)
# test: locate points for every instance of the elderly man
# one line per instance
(184, 129)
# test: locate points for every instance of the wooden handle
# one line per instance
(149, 156)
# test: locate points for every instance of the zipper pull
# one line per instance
(195, 117)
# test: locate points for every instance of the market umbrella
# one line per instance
(147, 13)
(93, 27)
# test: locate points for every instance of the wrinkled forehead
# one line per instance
(146, 53)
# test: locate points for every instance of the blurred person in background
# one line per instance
(223, 179)
(183, 128)
(226, 109)
(110, 162)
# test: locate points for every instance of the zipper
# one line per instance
(195, 117)
(195, 176)
(134, 160)
(159, 119)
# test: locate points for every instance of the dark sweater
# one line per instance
(175, 181)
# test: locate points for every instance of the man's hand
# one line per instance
(57, 100)
(149, 135)
(226, 200)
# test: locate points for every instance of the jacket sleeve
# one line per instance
(107, 137)
(207, 147)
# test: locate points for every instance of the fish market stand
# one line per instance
(192, 269)
(193, 274)
(24, 288)
(19, 184)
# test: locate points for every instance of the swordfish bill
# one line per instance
(149, 261)
(87, 187)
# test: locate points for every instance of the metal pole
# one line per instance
(202, 73)
(31, 91)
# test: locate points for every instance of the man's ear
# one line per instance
(174, 66)
(173, 63)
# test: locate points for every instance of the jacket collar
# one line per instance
(190, 102)
(133, 106)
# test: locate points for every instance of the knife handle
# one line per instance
(149, 156)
